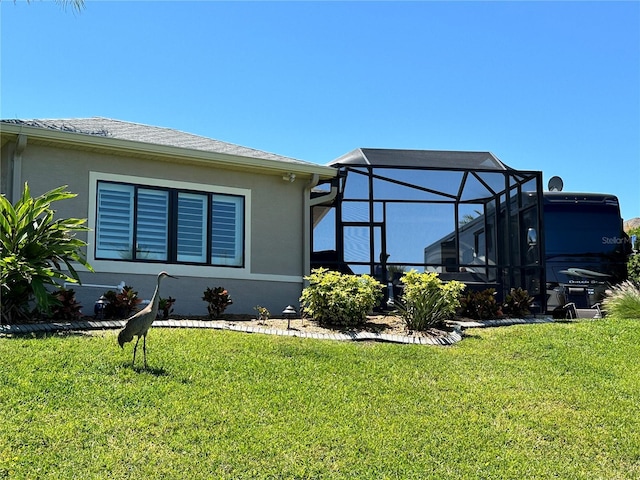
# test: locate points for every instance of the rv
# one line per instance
(584, 247)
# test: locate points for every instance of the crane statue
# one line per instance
(139, 323)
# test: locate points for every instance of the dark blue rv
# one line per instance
(585, 247)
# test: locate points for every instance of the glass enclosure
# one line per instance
(465, 215)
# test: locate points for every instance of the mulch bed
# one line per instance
(382, 324)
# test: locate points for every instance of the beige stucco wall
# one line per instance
(275, 256)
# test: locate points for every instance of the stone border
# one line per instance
(502, 322)
(449, 339)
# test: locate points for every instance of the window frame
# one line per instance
(241, 197)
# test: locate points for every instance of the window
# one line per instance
(169, 225)
(113, 221)
(226, 226)
(152, 224)
(192, 227)
(569, 228)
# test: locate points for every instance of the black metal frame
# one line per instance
(519, 197)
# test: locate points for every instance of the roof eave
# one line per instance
(168, 153)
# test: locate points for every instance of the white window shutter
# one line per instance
(152, 224)
(227, 221)
(192, 229)
(114, 225)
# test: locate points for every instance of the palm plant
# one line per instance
(77, 5)
(34, 248)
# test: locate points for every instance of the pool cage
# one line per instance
(465, 215)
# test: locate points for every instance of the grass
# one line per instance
(533, 401)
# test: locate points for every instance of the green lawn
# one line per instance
(533, 401)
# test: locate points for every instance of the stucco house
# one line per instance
(209, 212)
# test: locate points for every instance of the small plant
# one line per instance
(480, 305)
(218, 299)
(427, 300)
(517, 303)
(263, 313)
(65, 305)
(338, 299)
(165, 305)
(122, 304)
(623, 300)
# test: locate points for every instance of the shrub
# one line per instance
(34, 246)
(623, 300)
(517, 303)
(65, 305)
(480, 305)
(633, 267)
(338, 299)
(427, 300)
(165, 305)
(122, 304)
(218, 300)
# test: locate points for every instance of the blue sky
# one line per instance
(550, 86)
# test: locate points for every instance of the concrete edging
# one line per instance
(450, 338)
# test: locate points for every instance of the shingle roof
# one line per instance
(117, 129)
(420, 159)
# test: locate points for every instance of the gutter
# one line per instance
(306, 218)
(306, 225)
(325, 198)
(16, 168)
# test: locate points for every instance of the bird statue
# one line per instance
(139, 323)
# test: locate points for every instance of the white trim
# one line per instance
(114, 266)
(163, 182)
(181, 270)
(186, 271)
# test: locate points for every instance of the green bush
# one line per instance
(218, 300)
(517, 303)
(480, 305)
(427, 301)
(623, 300)
(34, 248)
(165, 305)
(338, 299)
(121, 304)
(633, 267)
(65, 306)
